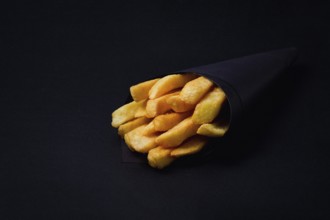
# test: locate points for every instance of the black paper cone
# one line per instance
(242, 79)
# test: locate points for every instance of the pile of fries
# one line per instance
(170, 117)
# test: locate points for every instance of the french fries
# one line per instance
(170, 117)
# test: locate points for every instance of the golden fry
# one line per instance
(141, 90)
(169, 83)
(149, 129)
(158, 106)
(136, 141)
(141, 109)
(212, 130)
(176, 135)
(160, 157)
(194, 90)
(178, 105)
(168, 121)
(191, 146)
(124, 113)
(209, 107)
(129, 126)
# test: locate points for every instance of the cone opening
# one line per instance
(225, 116)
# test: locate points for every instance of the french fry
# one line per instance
(160, 157)
(176, 135)
(169, 83)
(141, 90)
(136, 141)
(141, 109)
(209, 107)
(168, 121)
(149, 129)
(191, 146)
(212, 130)
(124, 113)
(129, 126)
(178, 105)
(194, 90)
(158, 106)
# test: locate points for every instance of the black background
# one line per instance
(66, 66)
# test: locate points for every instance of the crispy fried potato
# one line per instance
(194, 90)
(178, 105)
(168, 121)
(124, 113)
(129, 126)
(136, 141)
(209, 107)
(160, 157)
(212, 130)
(158, 106)
(141, 109)
(191, 146)
(149, 129)
(176, 135)
(141, 90)
(169, 83)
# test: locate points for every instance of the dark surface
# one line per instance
(66, 67)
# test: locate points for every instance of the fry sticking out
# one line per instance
(191, 146)
(160, 157)
(141, 91)
(194, 90)
(124, 113)
(169, 83)
(136, 141)
(212, 130)
(129, 126)
(209, 107)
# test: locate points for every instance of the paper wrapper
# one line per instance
(242, 79)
